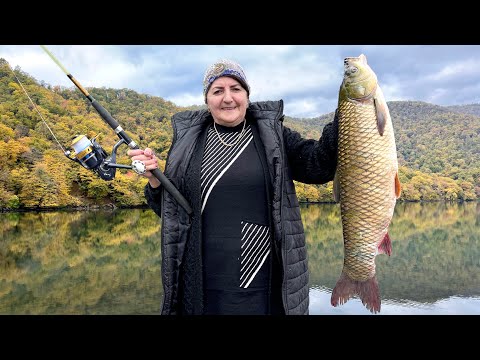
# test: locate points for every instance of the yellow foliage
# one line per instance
(10, 152)
(6, 133)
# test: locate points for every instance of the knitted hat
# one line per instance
(224, 68)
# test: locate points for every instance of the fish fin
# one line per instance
(381, 119)
(344, 289)
(381, 109)
(367, 291)
(398, 186)
(385, 246)
(336, 188)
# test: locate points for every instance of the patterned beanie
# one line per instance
(224, 68)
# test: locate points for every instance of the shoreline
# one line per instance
(113, 207)
(110, 207)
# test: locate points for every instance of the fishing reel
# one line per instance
(92, 156)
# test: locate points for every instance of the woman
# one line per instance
(243, 249)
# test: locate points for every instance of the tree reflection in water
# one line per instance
(108, 262)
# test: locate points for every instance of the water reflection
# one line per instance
(453, 305)
(435, 259)
(80, 263)
(108, 262)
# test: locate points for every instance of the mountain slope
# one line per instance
(438, 149)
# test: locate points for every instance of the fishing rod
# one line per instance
(92, 156)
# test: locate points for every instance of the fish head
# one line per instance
(359, 80)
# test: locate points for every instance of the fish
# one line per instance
(366, 182)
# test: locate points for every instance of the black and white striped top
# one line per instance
(236, 240)
(218, 158)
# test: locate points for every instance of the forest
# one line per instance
(438, 147)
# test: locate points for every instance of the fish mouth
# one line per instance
(348, 59)
(354, 75)
(352, 67)
(358, 79)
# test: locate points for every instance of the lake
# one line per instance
(108, 262)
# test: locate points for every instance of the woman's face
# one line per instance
(227, 101)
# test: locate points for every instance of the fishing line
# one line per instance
(66, 152)
(92, 156)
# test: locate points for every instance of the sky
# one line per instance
(306, 77)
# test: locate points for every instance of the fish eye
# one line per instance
(349, 70)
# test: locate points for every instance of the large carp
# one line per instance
(366, 181)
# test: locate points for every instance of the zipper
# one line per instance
(201, 146)
(189, 218)
(163, 252)
(279, 127)
(162, 231)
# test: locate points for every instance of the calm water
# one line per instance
(108, 262)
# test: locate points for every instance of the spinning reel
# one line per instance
(92, 156)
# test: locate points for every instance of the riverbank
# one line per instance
(111, 206)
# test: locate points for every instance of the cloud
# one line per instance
(306, 77)
(469, 67)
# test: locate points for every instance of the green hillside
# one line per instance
(473, 109)
(438, 148)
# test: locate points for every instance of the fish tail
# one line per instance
(367, 291)
(385, 246)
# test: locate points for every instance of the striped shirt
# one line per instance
(236, 240)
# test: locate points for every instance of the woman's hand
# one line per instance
(148, 157)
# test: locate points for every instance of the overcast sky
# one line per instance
(306, 77)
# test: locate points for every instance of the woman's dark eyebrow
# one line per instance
(222, 87)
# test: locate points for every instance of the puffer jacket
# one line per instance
(289, 157)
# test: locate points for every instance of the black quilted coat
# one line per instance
(289, 157)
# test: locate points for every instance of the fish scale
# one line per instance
(365, 188)
(366, 181)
